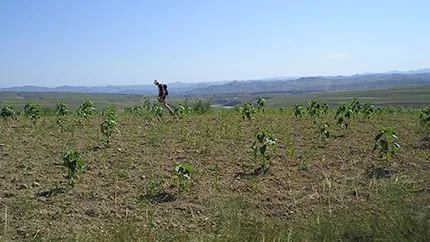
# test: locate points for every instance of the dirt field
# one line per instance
(314, 190)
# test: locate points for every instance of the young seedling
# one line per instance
(157, 110)
(264, 140)
(247, 111)
(8, 112)
(73, 163)
(147, 104)
(109, 124)
(107, 128)
(368, 109)
(87, 109)
(401, 109)
(323, 131)
(387, 143)
(261, 104)
(238, 108)
(315, 109)
(391, 110)
(324, 108)
(182, 111)
(298, 111)
(109, 112)
(137, 110)
(33, 111)
(182, 176)
(343, 115)
(61, 111)
(356, 107)
(425, 121)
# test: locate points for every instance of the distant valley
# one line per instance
(279, 85)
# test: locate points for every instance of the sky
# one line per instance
(103, 42)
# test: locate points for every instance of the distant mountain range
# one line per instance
(280, 85)
(176, 88)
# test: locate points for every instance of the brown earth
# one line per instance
(307, 177)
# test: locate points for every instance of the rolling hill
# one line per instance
(262, 86)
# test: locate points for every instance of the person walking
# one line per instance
(162, 94)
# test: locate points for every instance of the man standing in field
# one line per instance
(162, 94)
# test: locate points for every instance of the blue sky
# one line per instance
(93, 43)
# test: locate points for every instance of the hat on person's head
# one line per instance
(156, 82)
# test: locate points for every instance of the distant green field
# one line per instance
(73, 100)
(417, 96)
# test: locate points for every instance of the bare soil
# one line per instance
(307, 176)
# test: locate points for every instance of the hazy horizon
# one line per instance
(149, 83)
(100, 43)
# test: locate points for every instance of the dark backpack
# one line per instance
(165, 89)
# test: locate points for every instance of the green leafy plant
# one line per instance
(8, 112)
(247, 111)
(315, 108)
(298, 111)
(86, 109)
(137, 110)
(356, 106)
(425, 121)
(402, 109)
(264, 140)
(147, 104)
(324, 108)
(387, 143)
(158, 111)
(107, 128)
(73, 163)
(391, 110)
(238, 108)
(109, 112)
(323, 131)
(61, 112)
(343, 115)
(33, 111)
(182, 111)
(261, 104)
(182, 176)
(368, 109)
(61, 109)
(109, 124)
(380, 110)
